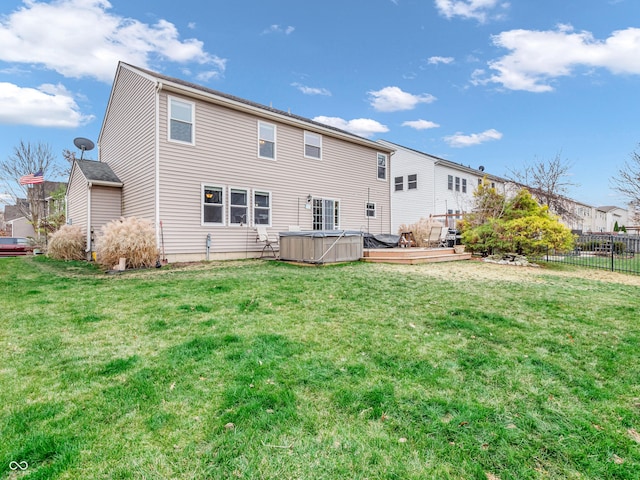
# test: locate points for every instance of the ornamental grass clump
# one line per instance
(131, 238)
(68, 243)
(421, 230)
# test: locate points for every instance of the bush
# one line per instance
(68, 243)
(131, 238)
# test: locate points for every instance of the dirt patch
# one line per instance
(476, 269)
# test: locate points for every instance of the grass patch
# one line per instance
(266, 370)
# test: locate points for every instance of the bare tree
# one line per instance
(548, 181)
(627, 182)
(26, 159)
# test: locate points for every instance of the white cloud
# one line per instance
(393, 99)
(79, 38)
(420, 124)
(460, 140)
(365, 127)
(311, 90)
(538, 57)
(278, 29)
(480, 10)
(47, 106)
(437, 60)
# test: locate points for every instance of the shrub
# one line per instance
(68, 243)
(132, 238)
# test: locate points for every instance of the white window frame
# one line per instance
(412, 185)
(450, 182)
(203, 187)
(255, 206)
(457, 184)
(274, 141)
(309, 138)
(398, 186)
(464, 185)
(192, 107)
(385, 157)
(247, 206)
(370, 207)
(335, 212)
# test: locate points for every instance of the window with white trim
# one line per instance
(326, 214)
(412, 181)
(370, 210)
(181, 121)
(238, 206)
(382, 166)
(457, 184)
(266, 140)
(450, 182)
(261, 208)
(212, 205)
(312, 145)
(399, 182)
(464, 185)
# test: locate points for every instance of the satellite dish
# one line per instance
(481, 168)
(83, 144)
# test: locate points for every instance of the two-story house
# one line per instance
(423, 185)
(205, 164)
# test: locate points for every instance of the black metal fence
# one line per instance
(619, 253)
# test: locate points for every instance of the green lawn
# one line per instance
(262, 370)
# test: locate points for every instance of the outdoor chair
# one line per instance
(269, 242)
(434, 239)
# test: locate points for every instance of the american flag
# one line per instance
(32, 178)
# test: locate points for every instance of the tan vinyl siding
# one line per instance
(77, 198)
(225, 154)
(21, 227)
(105, 206)
(127, 142)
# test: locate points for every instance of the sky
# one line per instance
(502, 84)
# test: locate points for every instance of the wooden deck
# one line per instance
(412, 255)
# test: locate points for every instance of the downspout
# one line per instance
(157, 162)
(88, 249)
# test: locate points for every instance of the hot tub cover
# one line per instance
(322, 233)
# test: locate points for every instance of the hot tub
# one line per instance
(321, 246)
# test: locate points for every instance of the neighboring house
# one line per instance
(17, 225)
(94, 197)
(201, 163)
(605, 218)
(424, 185)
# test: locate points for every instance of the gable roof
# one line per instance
(447, 163)
(98, 173)
(11, 212)
(165, 82)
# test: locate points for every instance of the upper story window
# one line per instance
(457, 184)
(312, 145)
(450, 182)
(238, 207)
(382, 166)
(464, 185)
(181, 121)
(399, 182)
(212, 205)
(262, 208)
(412, 181)
(266, 140)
